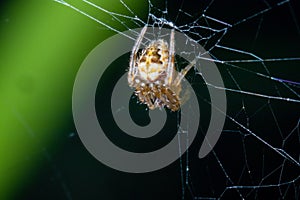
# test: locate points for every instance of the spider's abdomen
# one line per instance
(151, 80)
(153, 62)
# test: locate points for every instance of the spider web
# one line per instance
(256, 48)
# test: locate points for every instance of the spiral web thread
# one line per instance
(276, 144)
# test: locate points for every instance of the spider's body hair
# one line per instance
(157, 96)
(150, 81)
(153, 75)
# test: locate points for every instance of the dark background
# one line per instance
(59, 167)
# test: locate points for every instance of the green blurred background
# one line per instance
(42, 44)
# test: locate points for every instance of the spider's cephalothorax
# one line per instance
(153, 74)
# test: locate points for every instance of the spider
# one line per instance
(153, 75)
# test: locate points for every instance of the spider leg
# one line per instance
(183, 72)
(133, 56)
(170, 67)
